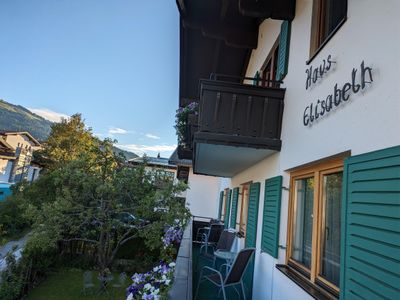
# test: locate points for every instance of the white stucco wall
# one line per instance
(5, 169)
(368, 121)
(203, 194)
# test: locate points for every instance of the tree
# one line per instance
(86, 190)
(68, 141)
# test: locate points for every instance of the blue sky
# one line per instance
(114, 61)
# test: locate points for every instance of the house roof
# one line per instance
(153, 161)
(5, 145)
(175, 160)
(6, 150)
(27, 134)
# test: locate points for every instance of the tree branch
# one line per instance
(80, 239)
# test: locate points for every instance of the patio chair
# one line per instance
(234, 276)
(212, 236)
(87, 282)
(225, 243)
(202, 230)
(121, 281)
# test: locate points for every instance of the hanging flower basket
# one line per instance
(182, 123)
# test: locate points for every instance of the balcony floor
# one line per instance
(207, 290)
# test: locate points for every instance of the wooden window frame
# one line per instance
(225, 199)
(272, 58)
(316, 40)
(242, 224)
(316, 171)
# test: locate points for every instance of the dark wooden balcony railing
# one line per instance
(240, 110)
(237, 123)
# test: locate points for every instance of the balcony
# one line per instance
(238, 125)
(189, 264)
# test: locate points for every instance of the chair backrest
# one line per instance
(87, 277)
(215, 232)
(122, 277)
(239, 265)
(226, 240)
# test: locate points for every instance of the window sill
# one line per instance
(318, 50)
(313, 290)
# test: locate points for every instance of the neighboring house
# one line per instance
(166, 170)
(311, 143)
(203, 190)
(7, 157)
(24, 145)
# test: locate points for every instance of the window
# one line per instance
(243, 208)
(226, 195)
(183, 173)
(269, 69)
(327, 17)
(314, 223)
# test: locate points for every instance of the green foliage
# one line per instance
(80, 198)
(12, 279)
(181, 121)
(68, 141)
(86, 188)
(12, 220)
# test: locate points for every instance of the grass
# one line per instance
(67, 284)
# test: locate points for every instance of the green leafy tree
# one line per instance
(87, 192)
(68, 141)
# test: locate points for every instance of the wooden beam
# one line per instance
(233, 35)
(281, 10)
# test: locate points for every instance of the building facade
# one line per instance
(19, 166)
(299, 108)
(202, 190)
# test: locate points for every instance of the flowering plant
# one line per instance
(153, 284)
(156, 283)
(172, 236)
(181, 119)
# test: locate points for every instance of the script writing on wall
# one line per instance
(339, 95)
(314, 73)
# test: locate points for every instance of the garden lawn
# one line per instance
(67, 284)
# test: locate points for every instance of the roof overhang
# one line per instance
(226, 161)
(217, 36)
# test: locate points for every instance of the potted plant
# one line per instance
(182, 123)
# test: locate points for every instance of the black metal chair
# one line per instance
(212, 236)
(205, 229)
(225, 243)
(234, 276)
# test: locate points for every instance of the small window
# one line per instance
(327, 17)
(183, 173)
(314, 223)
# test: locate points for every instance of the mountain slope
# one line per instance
(18, 118)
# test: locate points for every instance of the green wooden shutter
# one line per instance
(227, 209)
(256, 78)
(370, 229)
(252, 215)
(235, 197)
(283, 55)
(221, 201)
(271, 215)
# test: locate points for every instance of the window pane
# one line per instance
(330, 241)
(303, 219)
(333, 12)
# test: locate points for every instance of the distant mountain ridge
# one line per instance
(18, 118)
